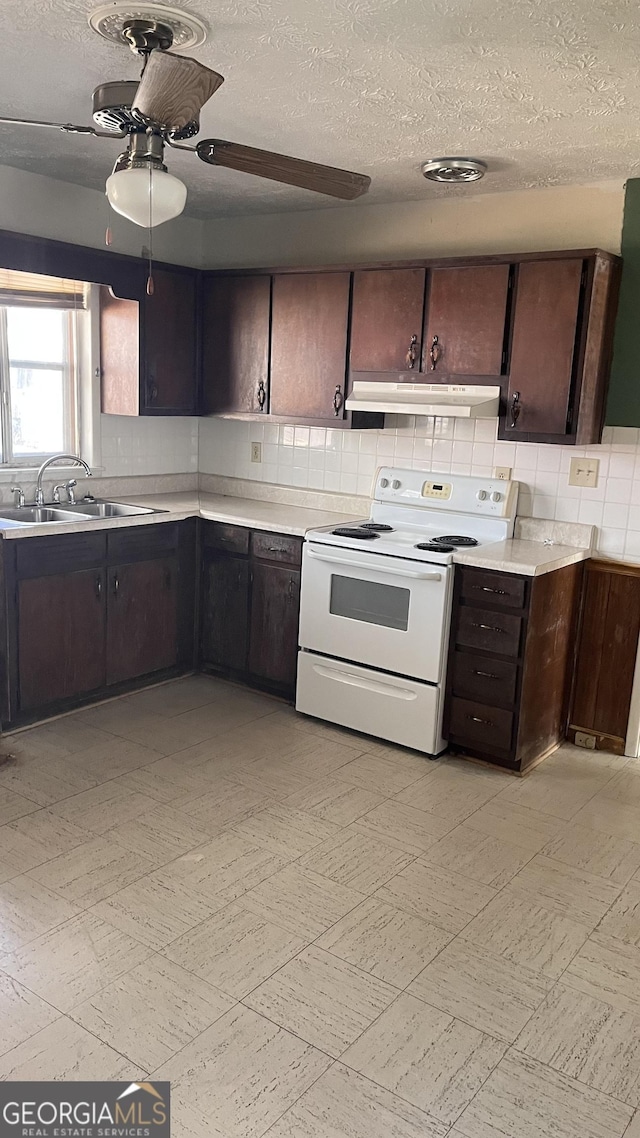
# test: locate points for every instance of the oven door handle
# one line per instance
(374, 568)
(360, 682)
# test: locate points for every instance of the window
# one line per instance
(38, 367)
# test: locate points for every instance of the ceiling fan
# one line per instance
(163, 109)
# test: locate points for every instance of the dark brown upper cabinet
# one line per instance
(386, 319)
(235, 344)
(309, 323)
(149, 348)
(465, 322)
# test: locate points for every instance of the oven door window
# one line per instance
(370, 601)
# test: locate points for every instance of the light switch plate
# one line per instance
(584, 471)
(256, 452)
(502, 473)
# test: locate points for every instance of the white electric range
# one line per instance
(375, 604)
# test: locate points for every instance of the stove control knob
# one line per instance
(396, 484)
(482, 495)
(384, 482)
(496, 496)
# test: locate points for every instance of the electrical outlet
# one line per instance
(584, 471)
(256, 452)
(502, 473)
(584, 740)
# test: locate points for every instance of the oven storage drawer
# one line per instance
(478, 725)
(481, 587)
(484, 678)
(406, 712)
(489, 630)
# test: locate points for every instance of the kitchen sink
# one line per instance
(36, 515)
(109, 510)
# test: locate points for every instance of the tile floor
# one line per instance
(315, 935)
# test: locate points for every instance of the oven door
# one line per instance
(387, 612)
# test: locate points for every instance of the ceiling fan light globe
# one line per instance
(146, 201)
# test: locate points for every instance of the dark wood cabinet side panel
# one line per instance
(225, 612)
(275, 606)
(466, 310)
(142, 618)
(545, 327)
(119, 355)
(598, 349)
(309, 322)
(607, 649)
(61, 637)
(387, 311)
(235, 350)
(549, 661)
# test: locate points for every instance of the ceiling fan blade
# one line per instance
(280, 168)
(173, 90)
(69, 127)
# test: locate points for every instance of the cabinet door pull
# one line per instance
(412, 353)
(338, 400)
(488, 589)
(485, 675)
(152, 390)
(262, 395)
(477, 719)
(516, 408)
(116, 584)
(489, 627)
(434, 353)
(99, 587)
(292, 582)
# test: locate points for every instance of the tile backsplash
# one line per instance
(345, 461)
(138, 446)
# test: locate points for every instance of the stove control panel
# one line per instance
(440, 490)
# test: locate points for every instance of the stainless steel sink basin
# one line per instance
(36, 515)
(108, 510)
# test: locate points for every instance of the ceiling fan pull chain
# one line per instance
(108, 237)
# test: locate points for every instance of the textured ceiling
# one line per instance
(547, 92)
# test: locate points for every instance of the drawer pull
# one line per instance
(487, 589)
(275, 549)
(489, 627)
(486, 675)
(476, 719)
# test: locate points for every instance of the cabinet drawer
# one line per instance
(477, 725)
(142, 543)
(483, 678)
(484, 587)
(59, 553)
(492, 631)
(219, 535)
(277, 547)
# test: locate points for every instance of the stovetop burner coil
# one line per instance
(435, 546)
(352, 531)
(456, 539)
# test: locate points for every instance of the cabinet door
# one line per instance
(61, 636)
(169, 344)
(465, 321)
(310, 314)
(225, 611)
(142, 618)
(545, 336)
(386, 319)
(235, 350)
(119, 354)
(273, 643)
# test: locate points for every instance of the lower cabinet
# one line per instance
(85, 612)
(250, 605)
(511, 661)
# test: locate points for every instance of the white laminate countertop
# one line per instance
(278, 517)
(530, 558)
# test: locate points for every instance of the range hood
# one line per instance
(449, 400)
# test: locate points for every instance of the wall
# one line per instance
(560, 217)
(135, 446)
(624, 394)
(46, 207)
(345, 461)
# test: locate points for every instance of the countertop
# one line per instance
(278, 517)
(530, 558)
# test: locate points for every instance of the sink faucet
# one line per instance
(48, 462)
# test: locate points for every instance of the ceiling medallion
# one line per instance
(109, 20)
(454, 170)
